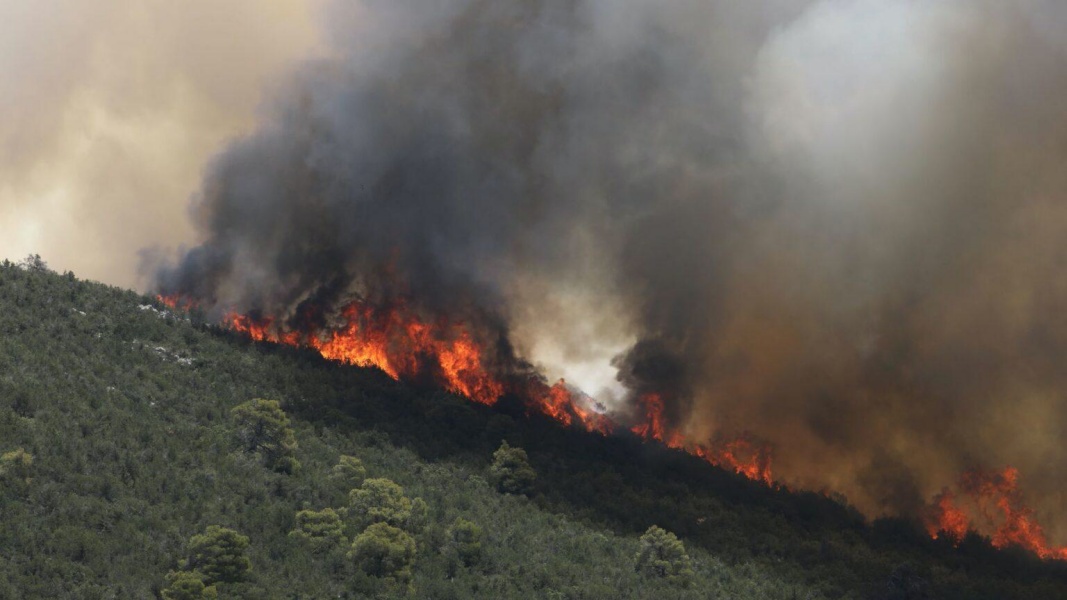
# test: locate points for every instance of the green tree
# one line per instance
(17, 465)
(510, 471)
(188, 585)
(663, 555)
(465, 539)
(219, 553)
(322, 530)
(349, 470)
(383, 501)
(384, 551)
(263, 427)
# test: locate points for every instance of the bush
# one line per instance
(905, 584)
(17, 465)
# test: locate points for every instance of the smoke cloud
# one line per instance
(835, 225)
(111, 109)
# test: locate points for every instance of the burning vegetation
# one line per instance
(990, 501)
(450, 355)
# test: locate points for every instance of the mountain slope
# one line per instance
(125, 408)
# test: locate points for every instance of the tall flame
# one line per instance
(946, 519)
(996, 499)
(396, 341)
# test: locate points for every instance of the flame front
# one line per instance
(407, 347)
(996, 498)
(396, 341)
(741, 455)
(569, 407)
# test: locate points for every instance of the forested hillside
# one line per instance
(138, 462)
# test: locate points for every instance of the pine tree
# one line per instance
(263, 427)
(511, 472)
(219, 553)
(349, 470)
(663, 555)
(321, 530)
(188, 585)
(383, 501)
(384, 551)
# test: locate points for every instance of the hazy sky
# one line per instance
(111, 109)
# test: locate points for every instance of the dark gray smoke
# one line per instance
(837, 225)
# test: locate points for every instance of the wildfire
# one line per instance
(408, 347)
(176, 302)
(652, 426)
(946, 519)
(396, 341)
(570, 407)
(742, 455)
(997, 498)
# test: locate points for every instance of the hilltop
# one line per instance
(126, 409)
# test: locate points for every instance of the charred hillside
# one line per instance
(126, 409)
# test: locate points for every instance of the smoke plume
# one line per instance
(834, 225)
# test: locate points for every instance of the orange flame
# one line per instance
(176, 302)
(1015, 524)
(407, 347)
(652, 427)
(741, 455)
(395, 341)
(570, 407)
(946, 519)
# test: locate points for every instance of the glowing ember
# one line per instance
(996, 498)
